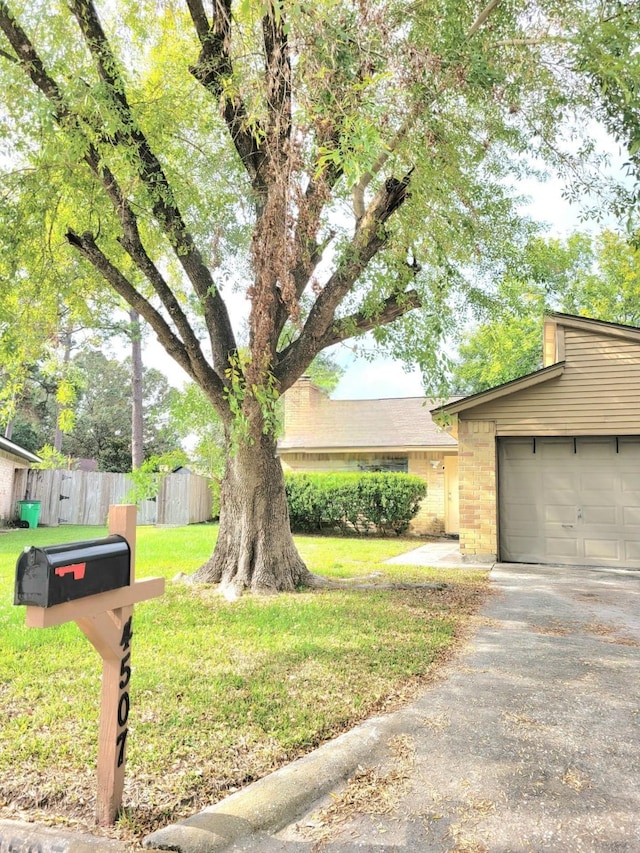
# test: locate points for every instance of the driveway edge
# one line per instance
(271, 803)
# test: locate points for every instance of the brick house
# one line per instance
(321, 434)
(12, 457)
(549, 464)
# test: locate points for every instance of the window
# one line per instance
(387, 465)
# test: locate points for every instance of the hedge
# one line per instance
(384, 503)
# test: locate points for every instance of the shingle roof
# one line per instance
(400, 423)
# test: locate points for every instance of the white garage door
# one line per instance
(570, 501)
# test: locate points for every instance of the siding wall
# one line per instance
(598, 393)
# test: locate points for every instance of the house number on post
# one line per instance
(123, 702)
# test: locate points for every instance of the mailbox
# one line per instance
(59, 573)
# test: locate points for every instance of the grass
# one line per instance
(221, 693)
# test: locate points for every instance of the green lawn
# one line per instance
(221, 693)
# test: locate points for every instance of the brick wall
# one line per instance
(477, 472)
(430, 518)
(299, 403)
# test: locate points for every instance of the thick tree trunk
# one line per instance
(255, 549)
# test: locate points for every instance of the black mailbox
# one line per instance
(59, 573)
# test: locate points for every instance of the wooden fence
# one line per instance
(84, 497)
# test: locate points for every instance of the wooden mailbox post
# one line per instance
(105, 618)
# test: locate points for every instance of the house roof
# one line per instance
(16, 450)
(395, 424)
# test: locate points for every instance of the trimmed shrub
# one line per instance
(384, 503)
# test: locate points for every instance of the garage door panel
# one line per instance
(559, 514)
(602, 549)
(559, 481)
(595, 448)
(518, 450)
(597, 481)
(608, 515)
(570, 501)
(520, 513)
(631, 551)
(527, 546)
(631, 516)
(554, 448)
(557, 547)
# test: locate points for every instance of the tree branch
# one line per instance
(482, 17)
(8, 56)
(213, 67)
(199, 18)
(368, 240)
(188, 356)
(356, 324)
(307, 251)
(152, 174)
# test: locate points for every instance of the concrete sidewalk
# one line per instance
(441, 552)
(529, 743)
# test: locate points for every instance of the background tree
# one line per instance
(610, 57)
(34, 420)
(342, 163)
(103, 420)
(595, 277)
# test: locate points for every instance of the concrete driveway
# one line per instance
(530, 742)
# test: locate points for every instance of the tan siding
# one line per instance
(549, 348)
(598, 393)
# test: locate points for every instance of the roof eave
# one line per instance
(15, 449)
(616, 330)
(406, 448)
(512, 387)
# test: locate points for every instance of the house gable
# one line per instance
(594, 390)
(589, 390)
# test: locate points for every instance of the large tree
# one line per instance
(341, 163)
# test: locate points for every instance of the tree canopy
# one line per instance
(101, 408)
(588, 276)
(342, 167)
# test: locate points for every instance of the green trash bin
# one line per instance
(30, 512)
